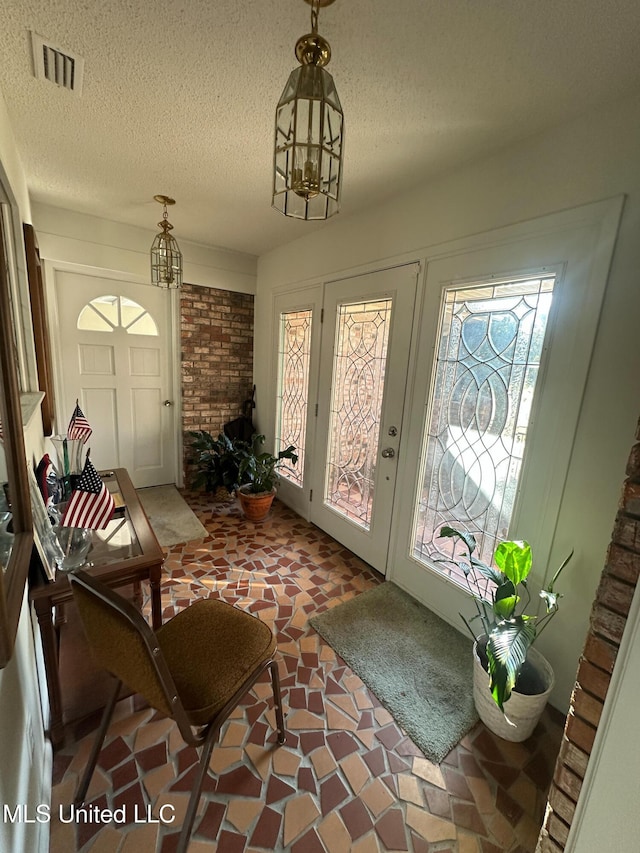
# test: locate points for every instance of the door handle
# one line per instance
(388, 453)
(167, 403)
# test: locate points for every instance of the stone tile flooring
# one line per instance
(347, 779)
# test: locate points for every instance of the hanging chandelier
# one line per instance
(166, 257)
(309, 137)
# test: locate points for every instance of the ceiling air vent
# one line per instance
(59, 66)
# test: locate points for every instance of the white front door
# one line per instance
(115, 347)
(366, 334)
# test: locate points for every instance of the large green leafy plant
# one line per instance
(258, 470)
(501, 596)
(217, 461)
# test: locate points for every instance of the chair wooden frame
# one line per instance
(203, 737)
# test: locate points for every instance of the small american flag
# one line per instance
(79, 425)
(91, 504)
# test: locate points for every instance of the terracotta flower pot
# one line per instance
(256, 506)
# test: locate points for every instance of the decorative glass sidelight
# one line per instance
(360, 358)
(293, 387)
(488, 357)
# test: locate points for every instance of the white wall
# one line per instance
(74, 238)
(25, 756)
(11, 164)
(589, 159)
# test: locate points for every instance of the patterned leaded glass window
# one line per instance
(488, 356)
(293, 387)
(360, 359)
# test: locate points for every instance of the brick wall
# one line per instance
(216, 331)
(608, 620)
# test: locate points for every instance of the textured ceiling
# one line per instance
(179, 97)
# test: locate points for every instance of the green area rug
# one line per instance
(418, 666)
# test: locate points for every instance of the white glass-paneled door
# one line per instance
(364, 355)
(115, 355)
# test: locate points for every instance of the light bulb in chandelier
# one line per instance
(306, 178)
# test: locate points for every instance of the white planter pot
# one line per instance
(521, 712)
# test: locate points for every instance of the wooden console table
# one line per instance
(126, 552)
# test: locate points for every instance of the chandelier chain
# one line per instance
(315, 9)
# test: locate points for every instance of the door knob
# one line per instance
(388, 453)
(167, 403)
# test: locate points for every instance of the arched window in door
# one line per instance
(106, 313)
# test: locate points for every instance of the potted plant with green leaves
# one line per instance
(512, 680)
(217, 463)
(259, 476)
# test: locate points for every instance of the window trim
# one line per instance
(40, 324)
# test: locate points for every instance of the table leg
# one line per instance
(137, 594)
(50, 654)
(155, 574)
(61, 615)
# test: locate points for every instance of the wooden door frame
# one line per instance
(41, 335)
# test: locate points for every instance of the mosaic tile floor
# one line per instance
(347, 778)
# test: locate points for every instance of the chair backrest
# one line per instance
(124, 644)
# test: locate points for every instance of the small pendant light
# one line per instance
(166, 257)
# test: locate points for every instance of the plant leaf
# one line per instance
(557, 574)
(514, 560)
(505, 600)
(507, 649)
(487, 571)
(464, 567)
(289, 453)
(468, 538)
(550, 599)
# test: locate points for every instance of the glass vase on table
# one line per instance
(75, 542)
(69, 452)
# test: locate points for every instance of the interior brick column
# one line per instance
(216, 335)
(608, 620)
